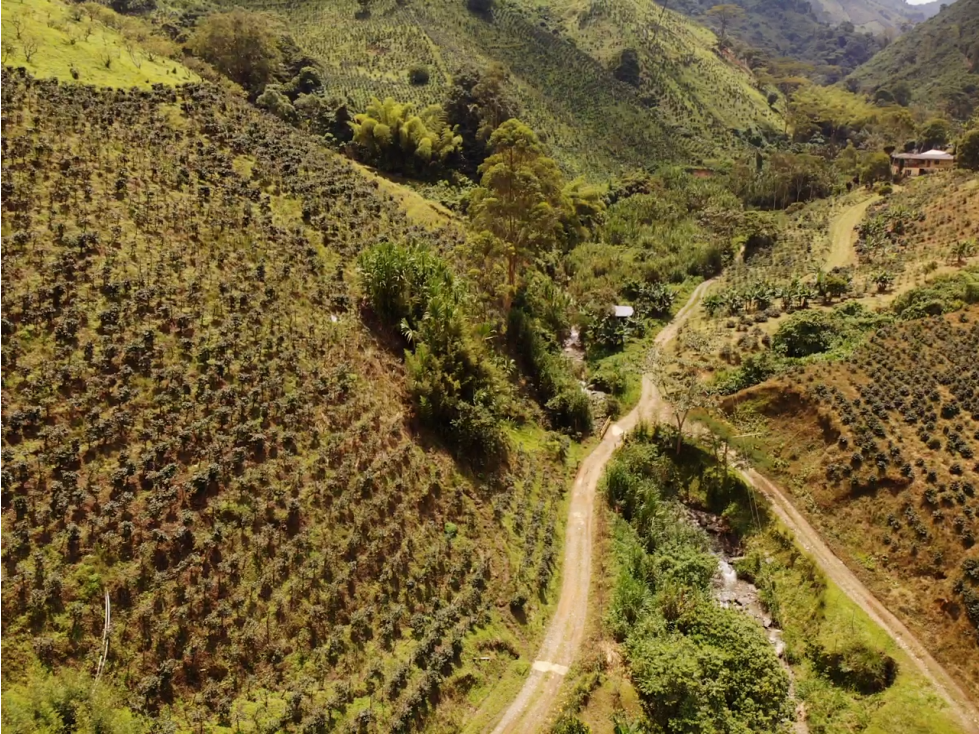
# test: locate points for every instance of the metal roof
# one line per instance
(930, 155)
(623, 312)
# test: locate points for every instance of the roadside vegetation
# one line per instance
(884, 461)
(665, 618)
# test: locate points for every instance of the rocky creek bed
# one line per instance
(732, 592)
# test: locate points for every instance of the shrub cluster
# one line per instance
(695, 665)
(457, 388)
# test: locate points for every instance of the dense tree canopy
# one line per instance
(968, 150)
(934, 134)
(396, 138)
(875, 167)
(520, 200)
(240, 44)
(784, 179)
(476, 104)
(456, 387)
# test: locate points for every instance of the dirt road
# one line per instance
(842, 235)
(807, 537)
(535, 704)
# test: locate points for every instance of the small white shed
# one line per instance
(622, 312)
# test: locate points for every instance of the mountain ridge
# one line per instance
(938, 59)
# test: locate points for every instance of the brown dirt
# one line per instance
(535, 704)
(534, 707)
(842, 234)
(810, 540)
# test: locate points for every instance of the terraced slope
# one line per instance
(687, 102)
(89, 44)
(879, 452)
(198, 424)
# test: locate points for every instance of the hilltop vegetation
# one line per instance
(938, 60)
(87, 43)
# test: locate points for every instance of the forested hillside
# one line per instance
(786, 33)
(938, 60)
(823, 40)
(874, 15)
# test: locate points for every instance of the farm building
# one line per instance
(916, 164)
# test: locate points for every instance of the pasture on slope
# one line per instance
(90, 45)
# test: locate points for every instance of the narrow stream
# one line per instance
(732, 592)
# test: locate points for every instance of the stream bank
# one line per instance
(733, 592)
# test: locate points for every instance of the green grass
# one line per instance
(366, 416)
(497, 692)
(68, 38)
(830, 618)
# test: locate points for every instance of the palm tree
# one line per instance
(882, 279)
(627, 726)
(805, 292)
(963, 249)
(712, 304)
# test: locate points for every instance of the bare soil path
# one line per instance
(531, 710)
(842, 234)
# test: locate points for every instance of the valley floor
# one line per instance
(808, 538)
(535, 706)
(536, 702)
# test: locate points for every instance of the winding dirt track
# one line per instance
(531, 708)
(842, 235)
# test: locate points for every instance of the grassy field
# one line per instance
(819, 613)
(73, 44)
